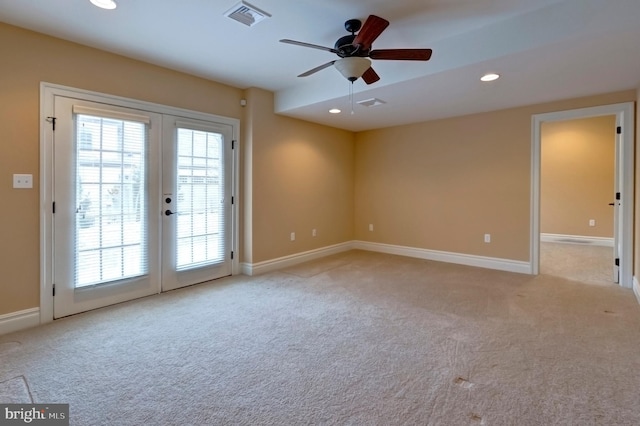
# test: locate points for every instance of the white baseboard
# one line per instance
(19, 320)
(636, 288)
(294, 259)
(576, 239)
(508, 265)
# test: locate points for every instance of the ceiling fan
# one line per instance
(355, 50)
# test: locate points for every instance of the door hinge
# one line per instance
(619, 130)
(233, 200)
(52, 120)
(54, 207)
(233, 144)
(617, 262)
(231, 255)
(54, 290)
(618, 196)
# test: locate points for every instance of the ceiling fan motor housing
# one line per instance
(345, 46)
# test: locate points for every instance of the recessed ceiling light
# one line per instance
(104, 4)
(490, 77)
(335, 111)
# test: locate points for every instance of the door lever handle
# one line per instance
(168, 213)
(612, 204)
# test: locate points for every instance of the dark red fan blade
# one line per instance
(303, 44)
(401, 54)
(372, 28)
(370, 76)
(316, 69)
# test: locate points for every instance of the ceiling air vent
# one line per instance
(371, 102)
(246, 13)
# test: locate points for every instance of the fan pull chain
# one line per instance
(351, 96)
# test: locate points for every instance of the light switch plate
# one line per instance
(22, 181)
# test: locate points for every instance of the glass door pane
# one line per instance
(111, 215)
(200, 200)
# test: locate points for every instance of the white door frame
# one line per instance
(624, 113)
(48, 91)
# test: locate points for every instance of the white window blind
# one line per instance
(111, 204)
(200, 202)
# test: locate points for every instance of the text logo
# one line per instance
(34, 414)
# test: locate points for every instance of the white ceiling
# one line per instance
(544, 49)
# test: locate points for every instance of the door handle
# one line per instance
(612, 204)
(168, 213)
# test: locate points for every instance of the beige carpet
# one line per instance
(355, 339)
(579, 262)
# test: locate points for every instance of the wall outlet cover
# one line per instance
(22, 181)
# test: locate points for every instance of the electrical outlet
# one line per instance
(592, 222)
(22, 181)
(371, 227)
(293, 236)
(487, 238)
(314, 233)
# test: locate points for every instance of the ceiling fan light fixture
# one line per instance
(490, 77)
(352, 67)
(104, 4)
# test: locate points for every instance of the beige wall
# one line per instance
(442, 185)
(303, 175)
(302, 179)
(437, 185)
(29, 58)
(577, 176)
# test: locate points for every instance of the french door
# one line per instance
(141, 203)
(196, 201)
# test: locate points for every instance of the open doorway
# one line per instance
(577, 181)
(622, 194)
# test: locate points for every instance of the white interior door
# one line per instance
(105, 223)
(196, 201)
